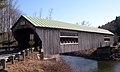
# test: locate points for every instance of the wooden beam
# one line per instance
(3, 62)
(19, 56)
(12, 59)
(23, 54)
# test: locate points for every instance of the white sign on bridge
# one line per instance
(31, 36)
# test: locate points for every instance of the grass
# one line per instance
(32, 64)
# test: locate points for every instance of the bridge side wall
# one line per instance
(50, 41)
(86, 40)
(52, 45)
(93, 40)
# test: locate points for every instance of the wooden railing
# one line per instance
(15, 56)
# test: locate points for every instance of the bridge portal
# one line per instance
(26, 38)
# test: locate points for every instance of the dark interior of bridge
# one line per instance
(23, 38)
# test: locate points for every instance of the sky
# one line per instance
(96, 12)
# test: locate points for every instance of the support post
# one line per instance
(42, 54)
(3, 62)
(38, 56)
(27, 52)
(32, 50)
(12, 59)
(19, 56)
(23, 54)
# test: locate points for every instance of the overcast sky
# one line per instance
(97, 12)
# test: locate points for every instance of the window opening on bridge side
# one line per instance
(106, 39)
(68, 38)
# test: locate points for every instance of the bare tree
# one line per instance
(35, 14)
(9, 16)
(85, 23)
(50, 14)
(1, 4)
(40, 12)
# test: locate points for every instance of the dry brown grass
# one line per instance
(31, 64)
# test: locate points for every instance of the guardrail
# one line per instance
(15, 56)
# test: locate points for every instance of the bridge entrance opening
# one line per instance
(27, 38)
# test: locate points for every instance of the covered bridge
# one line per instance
(56, 37)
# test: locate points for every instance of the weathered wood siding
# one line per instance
(50, 40)
(18, 26)
(86, 40)
(68, 47)
(92, 40)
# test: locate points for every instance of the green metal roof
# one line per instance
(62, 25)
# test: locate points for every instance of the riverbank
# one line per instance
(32, 64)
(79, 64)
(99, 54)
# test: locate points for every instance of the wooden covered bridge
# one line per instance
(54, 37)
